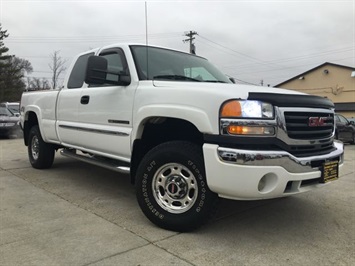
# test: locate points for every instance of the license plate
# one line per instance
(330, 171)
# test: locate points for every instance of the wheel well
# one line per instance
(29, 123)
(158, 130)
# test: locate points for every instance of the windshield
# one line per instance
(15, 108)
(5, 112)
(164, 64)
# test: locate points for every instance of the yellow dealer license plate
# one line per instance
(330, 171)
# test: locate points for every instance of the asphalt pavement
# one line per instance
(80, 214)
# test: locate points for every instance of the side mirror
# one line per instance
(97, 73)
(96, 70)
(352, 123)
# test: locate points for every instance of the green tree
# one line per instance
(12, 72)
(13, 81)
(3, 48)
(3, 58)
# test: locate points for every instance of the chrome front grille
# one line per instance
(309, 125)
(300, 131)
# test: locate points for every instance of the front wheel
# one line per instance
(40, 153)
(171, 187)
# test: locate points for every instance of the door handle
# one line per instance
(85, 99)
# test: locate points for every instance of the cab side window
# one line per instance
(117, 64)
(77, 75)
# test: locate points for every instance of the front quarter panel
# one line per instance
(193, 115)
(186, 101)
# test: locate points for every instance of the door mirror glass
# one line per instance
(96, 70)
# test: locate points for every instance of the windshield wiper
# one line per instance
(175, 77)
(215, 81)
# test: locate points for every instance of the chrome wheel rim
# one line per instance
(35, 147)
(175, 188)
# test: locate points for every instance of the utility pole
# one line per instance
(191, 35)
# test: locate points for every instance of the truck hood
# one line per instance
(227, 89)
(200, 102)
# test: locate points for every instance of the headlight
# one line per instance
(243, 117)
(247, 109)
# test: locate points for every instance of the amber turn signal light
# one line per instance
(231, 109)
(250, 130)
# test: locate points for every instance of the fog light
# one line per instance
(250, 130)
(262, 184)
(267, 183)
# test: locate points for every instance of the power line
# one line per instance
(73, 39)
(239, 53)
(299, 58)
(241, 81)
(274, 63)
(244, 82)
(93, 36)
(39, 71)
(289, 67)
(41, 77)
(345, 49)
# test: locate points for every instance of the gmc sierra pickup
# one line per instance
(185, 133)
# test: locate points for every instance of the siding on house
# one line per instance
(336, 82)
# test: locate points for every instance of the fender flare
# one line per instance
(190, 114)
(37, 111)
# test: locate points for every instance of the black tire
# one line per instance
(171, 187)
(40, 153)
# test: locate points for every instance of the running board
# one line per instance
(111, 164)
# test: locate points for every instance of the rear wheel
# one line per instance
(171, 187)
(40, 153)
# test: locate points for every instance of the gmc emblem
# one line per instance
(316, 121)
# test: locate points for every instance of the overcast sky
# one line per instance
(249, 40)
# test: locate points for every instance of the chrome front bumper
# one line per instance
(280, 158)
(251, 175)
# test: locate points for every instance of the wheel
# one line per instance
(171, 187)
(40, 153)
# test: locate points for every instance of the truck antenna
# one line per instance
(146, 24)
(146, 34)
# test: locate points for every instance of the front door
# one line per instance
(105, 112)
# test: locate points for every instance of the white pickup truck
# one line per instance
(183, 130)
